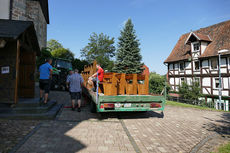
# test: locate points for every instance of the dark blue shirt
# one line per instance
(44, 70)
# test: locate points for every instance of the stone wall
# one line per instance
(28, 10)
(35, 14)
(19, 10)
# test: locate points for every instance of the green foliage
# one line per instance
(79, 64)
(157, 83)
(53, 44)
(224, 148)
(192, 92)
(45, 53)
(128, 57)
(101, 49)
(63, 53)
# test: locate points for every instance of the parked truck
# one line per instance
(121, 92)
(61, 68)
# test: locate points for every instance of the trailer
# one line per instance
(121, 92)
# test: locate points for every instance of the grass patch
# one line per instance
(173, 103)
(224, 148)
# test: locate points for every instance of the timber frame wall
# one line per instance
(206, 75)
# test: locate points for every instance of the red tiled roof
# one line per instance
(218, 34)
(202, 36)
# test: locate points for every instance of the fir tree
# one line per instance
(128, 58)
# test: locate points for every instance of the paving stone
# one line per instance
(179, 131)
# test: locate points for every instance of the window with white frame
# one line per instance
(217, 83)
(170, 66)
(181, 66)
(213, 63)
(228, 63)
(197, 65)
(196, 46)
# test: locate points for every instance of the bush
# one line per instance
(157, 83)
(190, 92)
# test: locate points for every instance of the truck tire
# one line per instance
(92, 107)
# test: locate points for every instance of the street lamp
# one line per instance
(220, 85)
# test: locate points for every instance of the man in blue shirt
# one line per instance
(74, 82)
(45, 71)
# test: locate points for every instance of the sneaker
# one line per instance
(78, 109)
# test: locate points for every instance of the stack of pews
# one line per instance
(118, 83)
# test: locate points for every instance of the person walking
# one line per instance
(45, 72)
(74, 83)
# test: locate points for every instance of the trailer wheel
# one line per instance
(92, 107)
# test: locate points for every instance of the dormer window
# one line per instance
(196, 47)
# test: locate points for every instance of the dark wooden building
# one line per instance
(18, 49)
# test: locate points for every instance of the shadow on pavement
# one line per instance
(53, 137)
(221, 126)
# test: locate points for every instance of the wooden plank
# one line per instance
(122, 84)
(17, 73)
(135, 84)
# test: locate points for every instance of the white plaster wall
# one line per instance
(171, 81)
(206, 81)
(176, 72)
(225, 83)
(214, 72)
(188, 71)
(203, 47)
(189, 81)
(205, 71)
(213, 83)
(224, 93)
(196, 72)
(177, 81)
(4, 9)
(215, 92)
(206, 91)
(223, 70)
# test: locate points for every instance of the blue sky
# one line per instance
(158, 23)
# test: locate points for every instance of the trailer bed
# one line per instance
(124, 103)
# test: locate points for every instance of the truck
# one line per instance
(121, 93)
(61, 69)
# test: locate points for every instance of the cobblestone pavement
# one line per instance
(13, 131)
(181, 130)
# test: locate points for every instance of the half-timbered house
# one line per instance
(195, 58)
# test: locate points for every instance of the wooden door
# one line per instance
(26, 74)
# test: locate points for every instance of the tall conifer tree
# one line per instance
(128, 58)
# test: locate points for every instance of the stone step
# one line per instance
(35, 109)
(28, 109)
(28, 102)
(50, 114)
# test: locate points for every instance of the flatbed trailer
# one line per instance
(120, 92)
(124, 103)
